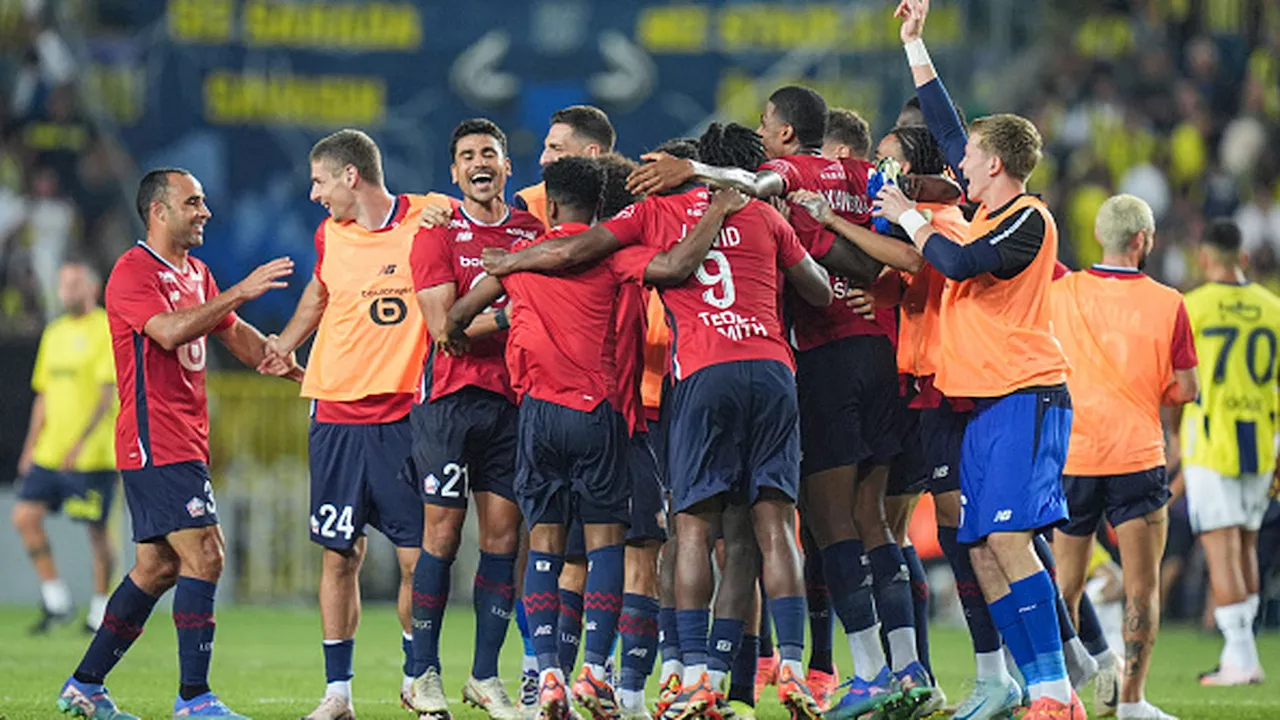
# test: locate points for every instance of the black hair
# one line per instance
(574, 182)
(476, 126)
(920, 149)
(683, 148)
(804, 110)
(731, 145)
(152, 188)
(588, 122)
(1223, 234)
(614, 196)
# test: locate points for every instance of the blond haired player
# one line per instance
(1129, 342)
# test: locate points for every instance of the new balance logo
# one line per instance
(1004, 515)
(388, 270)
(903, 575)
(724, 646)
(421, 624)
(941, 471)
(591, 626)
(542, 631)
(638, 652)
(542, 566)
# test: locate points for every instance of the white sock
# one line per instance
(1059, 690)
(991, 664)
(97, 608)
(719, 680)
(631, 699)
(1254, 602)
(902, 647)
(341, 688)
(529, 663)
(669, 668)
(1236, 624)
(692, 674)
(405, 682)
(56, 596)
(794, 665)
(868, 653)
(597, 671)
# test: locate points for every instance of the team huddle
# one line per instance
(694, 402)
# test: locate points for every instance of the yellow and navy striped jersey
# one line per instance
(1232, 427)
(73, 363)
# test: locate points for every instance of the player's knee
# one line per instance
(26, 517)
(442, 537)
(154, 575)
(642, 570)
(947, 509)
(343, 563)
(500, 541)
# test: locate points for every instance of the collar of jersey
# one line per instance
(1114, 271)
(143, 244)
(467, 215)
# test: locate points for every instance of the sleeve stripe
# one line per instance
(1012, 228)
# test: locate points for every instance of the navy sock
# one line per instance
(1034, 596)
(742, 680)
(602, 602)
(788, 619)
(892, 582)
(1044, 551)
(668, 634)
(492, 593)
(193, 617)
(821, 621)
(982, 630)
(522, 624)
(1091, 628)
(766, 626)
(638, 627)
(693, 636)
(569, 630)
(126, 614)
(338, 655)
(920, 602)
(542, 605)
(1005, 614)
(406, 646)
(722, 646)
(430, 596)
(850, 583)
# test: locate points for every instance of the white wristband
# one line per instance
(911, 221)
(916, 53)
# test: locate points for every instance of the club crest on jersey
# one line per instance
(431, 484)
(196, 507)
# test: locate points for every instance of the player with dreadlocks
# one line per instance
(733, 443)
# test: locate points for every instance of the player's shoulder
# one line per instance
(525, 220)
(135, 262)
(418, 201)
(1157, 289)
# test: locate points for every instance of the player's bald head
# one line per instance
(350, 148)
(154, 188)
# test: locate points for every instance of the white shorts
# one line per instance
(1215, 502)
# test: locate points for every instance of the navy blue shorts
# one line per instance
(734, 429)
(85, 496)
(1121, 497)
(941, 437)
(166, 498)
(1011, 464)
(359, 477)
(569, 464)
(648, 500)
(909, 472)
(848, 394)
(464, 443)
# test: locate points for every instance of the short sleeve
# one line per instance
(629, 263)
(135, 297)
(787, 169)
(211, 291)
(1184, 341)
(319, 250)
(430, 259)
(40, 373)
(104, 366)
(790, 251)
(629, 226)
(1060, 270)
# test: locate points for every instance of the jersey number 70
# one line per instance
(1261, 371)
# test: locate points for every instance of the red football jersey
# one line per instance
(728, 310)
(561, 347)
(629, 330)
(844, 185)
(164, 413)
(451, 254)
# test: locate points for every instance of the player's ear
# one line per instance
(506, 163)
(350, 175)
(787, 134)
(453, 173)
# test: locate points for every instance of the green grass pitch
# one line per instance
(267, 664)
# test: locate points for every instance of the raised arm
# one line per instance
(554, 254)
(664, 172)
(935, 103)
(174, 328)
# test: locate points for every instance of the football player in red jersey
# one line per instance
(161, 303)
